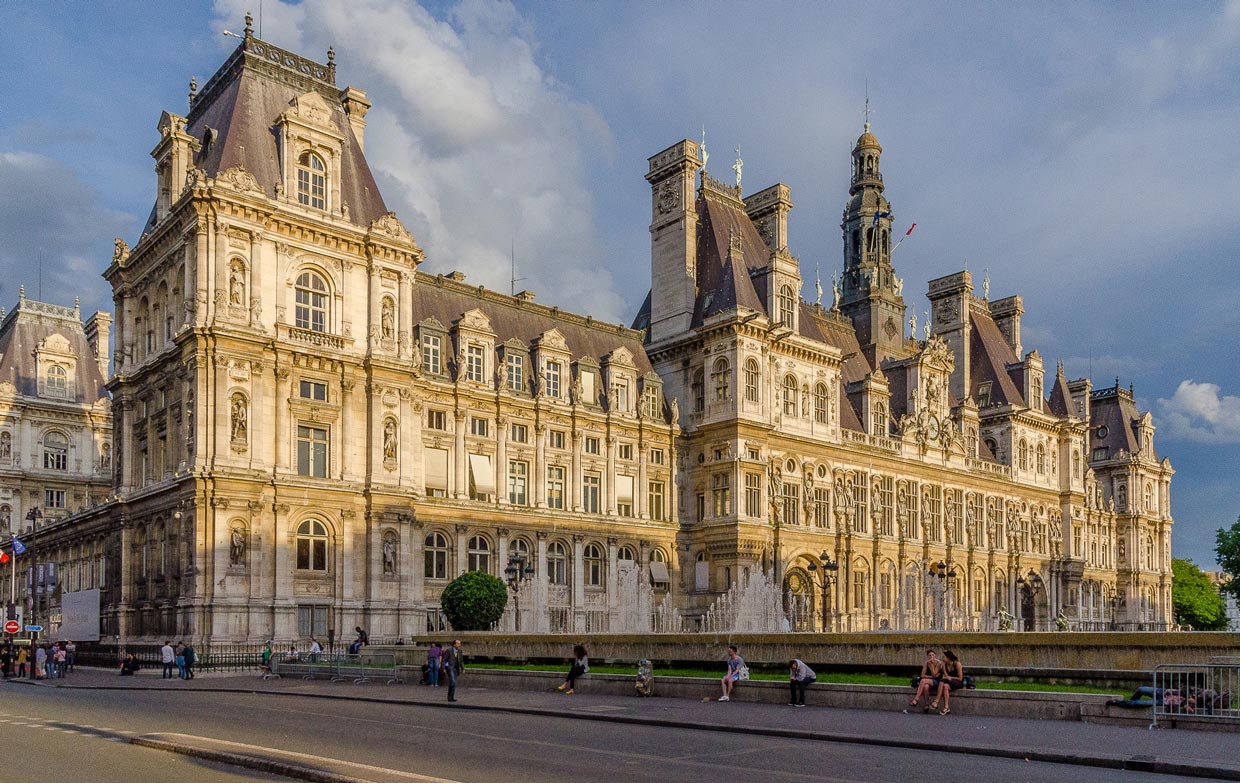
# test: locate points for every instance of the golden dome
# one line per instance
(868, 139)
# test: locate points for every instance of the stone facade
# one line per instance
(55, 441)
(312, 434)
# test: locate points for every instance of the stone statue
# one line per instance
(817, 290)
(898, 285)
(1061, 622)
(6, 517)
(737, 166)
(912, 325)
(6, 445)
(240, 425)
(675, 410)
(1005, 619)
(236, 287)
(388, 320)
(389, 556)
(986, 286)
(835, 292)
(105, 456)
(389, 439)
(120, 254)
(925, 328)
(236, 547)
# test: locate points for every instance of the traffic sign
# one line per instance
(12, 626)
(34, 628)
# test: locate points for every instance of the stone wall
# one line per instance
(1008, 651)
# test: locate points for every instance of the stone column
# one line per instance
(579, 579)
(575, 483)
(641, 496)
(461, 551)
(501, 461)
(613, 580)
(609, 479)
(538, 610)
(416, 565)
(539, 481)
(256, 279)
(342, 441)
(460, 481)
(281, 413)
(220, 278)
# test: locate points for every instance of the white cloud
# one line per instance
(1198, 412)
(54, 229)
(475, 146)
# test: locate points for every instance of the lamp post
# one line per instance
(822, 573)
(1030, 584)
(941, 580)
(519, 569)
(33, 516)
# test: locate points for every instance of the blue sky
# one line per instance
(1084, 154)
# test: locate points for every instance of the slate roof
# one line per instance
(1061, 398)
(21, 332)
(234, 115)
(991, 356)
(722, 285)
(447, 300)
(1115, 409)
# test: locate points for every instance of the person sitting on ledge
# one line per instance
(580, 665)
(931, 671)
(952, 680)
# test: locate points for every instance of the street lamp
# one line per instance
(1030, 585)
(822, 573)
(33, 516)
(941, 580)
(519, 569)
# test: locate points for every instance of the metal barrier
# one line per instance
(361, 668)
(1208, 691)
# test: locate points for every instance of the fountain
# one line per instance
(754, 604)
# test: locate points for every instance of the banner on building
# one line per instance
(79, 616)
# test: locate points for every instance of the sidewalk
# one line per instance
(1197, 753)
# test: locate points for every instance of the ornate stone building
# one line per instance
(55, 435)
(312, 434)
(940, 470)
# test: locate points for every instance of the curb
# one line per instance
(1137, 763)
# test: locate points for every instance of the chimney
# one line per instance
(98, 328)
(673, 239)
(1007, 313)
(768, 209)
(356, 105)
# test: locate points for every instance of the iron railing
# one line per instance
(1208, 691)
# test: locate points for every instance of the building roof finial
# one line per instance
(21, 297)
(705, 156)
(737, 166)
(193, 90)
(331, 55)
(249, 25)
(867, 111)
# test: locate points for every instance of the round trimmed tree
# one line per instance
(474, 601)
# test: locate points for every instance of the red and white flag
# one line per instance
(910, 229)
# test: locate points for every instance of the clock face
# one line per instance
(796, 582)
(933, 428)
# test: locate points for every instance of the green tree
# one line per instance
(474, 601)
(1195, 599)
(1227, 549)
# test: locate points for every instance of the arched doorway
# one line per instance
(799, 606)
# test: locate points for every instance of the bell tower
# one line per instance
(870, 291)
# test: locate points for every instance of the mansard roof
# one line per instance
(445, 299)
(991, 356)
(724, 284)
(25, 329)
(1115, 409)
(1061, 398)
(825, 326)
(234, 114)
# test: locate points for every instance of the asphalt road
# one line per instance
(45, 733)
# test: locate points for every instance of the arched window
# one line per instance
(992, 446)
(720, 377)
(657, 556)
(699, 391)
(57, 382)
(1076, 464)
(519, 546)
(479, 555)
(626, 553)
(311, 181)
(557, 563)
(311, 302)
(1149, 497)
(751, 380)
(594, 565)
(1022, 454)
(787, 306)
(1041, 458)
(790, 395)
(880, 419)
(55, 451)
(436, 556)
(820, 403)
(312, 546)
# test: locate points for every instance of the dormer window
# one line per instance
(311, 302)
(551, 378)
(57, 382)
(787, 306)
(311, 181)
(474, 363)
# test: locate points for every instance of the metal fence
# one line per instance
(362, 668)
(1209, 691)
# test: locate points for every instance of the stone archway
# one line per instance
(799, 603)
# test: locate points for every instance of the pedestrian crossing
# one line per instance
(46, 724)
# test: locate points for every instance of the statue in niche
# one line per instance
(105, 456)
(240, 423)
(389, 556)
(6, 445)
(387, 320)
(236, 285)
(6, 517)
(675, 410)
(389, 439)
(236, 547)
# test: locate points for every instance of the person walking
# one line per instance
(180, 660)
(50, 668)
(168, 657)
(62, 658)
(579, 666)
(454, 664)
(433, 656)
(265, 665)
(191, 658)
(6, 660)
(800, 677)
(316, 649)
(735, 666)
(22, 658)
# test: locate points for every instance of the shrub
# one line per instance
(474, 601)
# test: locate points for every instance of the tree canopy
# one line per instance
(1227, 549)
(474, 601)
(1195, 599)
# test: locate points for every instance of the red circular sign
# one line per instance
(12, 626)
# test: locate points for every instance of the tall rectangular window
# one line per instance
(625, 452)
(884, 504)
(655, 504)
(932, 508)
(53, 498)
(519, 433)
(792, 503)
(753, 494)
(822, 507)
(515, 366)
(721, 494)
(551, 379)
(436, 420)
(592, 445)
(621, 395)
(518, 476)
(311, 451)
(312, 390)
(590, 484)
(861, 508)
(474, 363)
(555, 487)
(311, 621)
(479, 427)
(432, 353)
(555, 439)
